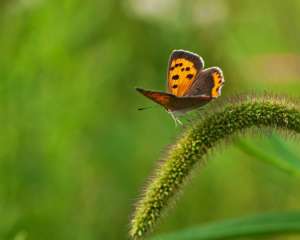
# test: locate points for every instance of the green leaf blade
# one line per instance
(263, 224)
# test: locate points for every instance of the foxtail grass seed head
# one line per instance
(197, 139)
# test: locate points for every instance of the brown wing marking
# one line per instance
(209, 82)
(161, 98)
(173, 103)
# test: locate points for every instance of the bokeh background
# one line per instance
(75, 152)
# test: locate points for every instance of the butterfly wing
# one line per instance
(183, 69)
(189, 86)
(161, 98)
(209, 82)
(173, 103)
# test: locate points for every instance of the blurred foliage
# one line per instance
(75, 151)
(275, 151)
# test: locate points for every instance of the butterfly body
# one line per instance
(189, 85)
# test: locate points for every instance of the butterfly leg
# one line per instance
(176, 120)
(180, 123)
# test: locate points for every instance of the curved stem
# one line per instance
(194, 144)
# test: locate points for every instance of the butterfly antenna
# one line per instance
(145, 108)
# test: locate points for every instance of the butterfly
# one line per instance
(189, 85)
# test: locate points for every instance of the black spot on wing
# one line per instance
(190, 76)
(175, 77)
(187, 69)
(175, 86)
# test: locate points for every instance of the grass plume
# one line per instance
(197, 139)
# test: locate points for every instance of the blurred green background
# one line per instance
(75, 152)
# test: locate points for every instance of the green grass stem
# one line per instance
(197, 139)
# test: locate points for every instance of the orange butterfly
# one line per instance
(189, 85)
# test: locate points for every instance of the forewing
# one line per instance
(161, 98)
(183, 69)
(173, 103)
(209, 82)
